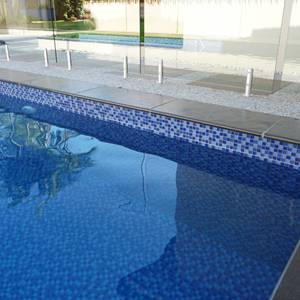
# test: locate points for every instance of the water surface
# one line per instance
(100, 211)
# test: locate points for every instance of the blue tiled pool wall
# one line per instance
(269, 150)
(238, 168)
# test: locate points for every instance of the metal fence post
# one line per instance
(125, 67)
(69, 60)
(249, 82)
(161, 72)
(46, 58)
(7, 52)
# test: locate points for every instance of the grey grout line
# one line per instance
(97, 87)
(280, 118)
(84, 97)
(120, 89)
(297, 248)
(159, 105)
(30, 81)
(263, 134)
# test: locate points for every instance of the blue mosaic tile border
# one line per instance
(266, 149)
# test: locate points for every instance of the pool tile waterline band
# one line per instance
(266, 149)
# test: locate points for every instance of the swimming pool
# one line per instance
(123, 39)
(92, 209)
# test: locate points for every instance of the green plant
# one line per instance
(77, 8)
(77, 25)
(67, 9)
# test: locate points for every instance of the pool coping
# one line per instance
(287, 286)
(264, 125)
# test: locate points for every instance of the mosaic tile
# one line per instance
(266, 149)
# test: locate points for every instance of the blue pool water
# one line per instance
(125, 39)
(94, 210)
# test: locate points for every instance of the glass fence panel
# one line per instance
(99, 33)
(22, 25)
(291, 71)
(218, 40)
(204, 43)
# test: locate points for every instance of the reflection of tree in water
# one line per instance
(35, 160)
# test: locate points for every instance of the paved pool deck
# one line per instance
(288, 287)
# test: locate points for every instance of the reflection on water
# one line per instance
(128, 224)
(232, 242)
(36, 161)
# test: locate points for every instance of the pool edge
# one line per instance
(191, 134)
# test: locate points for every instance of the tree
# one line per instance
(36, 154)
(76, 8)
(66, 9)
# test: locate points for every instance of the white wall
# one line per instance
(231, 20)
(291, 69)
(119, 17)
(213, 19)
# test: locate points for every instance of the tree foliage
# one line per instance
(67, 9)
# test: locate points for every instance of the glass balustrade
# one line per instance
(201, 42)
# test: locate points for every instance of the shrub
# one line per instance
(66, 9)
